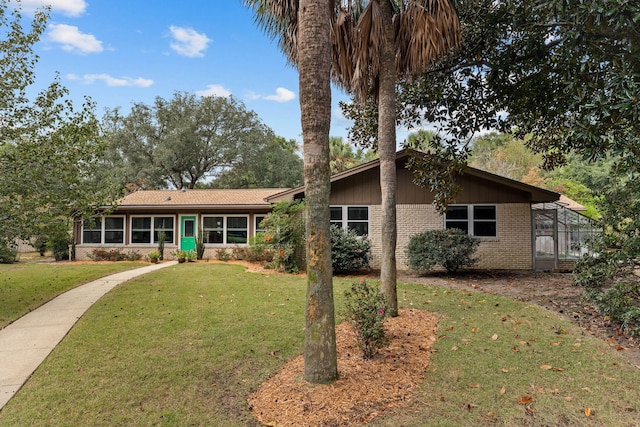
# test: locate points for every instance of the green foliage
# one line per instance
(8, 254)
(154, 256)
(349, 252)
(200, 246)
(191, 256)
(271, 162)
(365, 308)
(285, 232)
(609, 273)
(451, 249)
(49, 151)
(59, 244)
(161, 239)
(182, 141)
(223, 255)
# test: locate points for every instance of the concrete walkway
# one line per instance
(25, 343)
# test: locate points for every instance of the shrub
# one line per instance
(8, 255)
(451, 249)
(285, 233)
(153, 256)
(115, 254)
(259, 251)
(223, 255)
(365, 308)
(349, 252)
(59, 246)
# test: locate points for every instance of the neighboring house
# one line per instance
(496, 210)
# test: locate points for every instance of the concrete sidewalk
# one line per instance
(25, 343)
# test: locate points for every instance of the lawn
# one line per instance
(185, 346)
(25, 287)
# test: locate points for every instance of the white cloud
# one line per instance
(281, 95)
(111, 81)
(188, 42)
(214, 90)
(72, 40)
(66, 7)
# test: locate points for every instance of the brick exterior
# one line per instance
(511, 250)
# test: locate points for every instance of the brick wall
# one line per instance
(510, 250)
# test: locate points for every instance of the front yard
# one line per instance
(188, 344)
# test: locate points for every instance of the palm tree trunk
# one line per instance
(314, 64)
(387, 151)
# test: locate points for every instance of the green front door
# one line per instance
(188, 233)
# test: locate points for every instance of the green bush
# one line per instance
(59, 246)
(285, 233)
(451, 249)
(349, 252)
(223, 255)
(366, 309)
(8, 255)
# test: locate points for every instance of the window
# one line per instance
(163, 224)
(144, 227)
(258, 220)
(225, 229)
(476, 220)
(105, 230)
(352, 217)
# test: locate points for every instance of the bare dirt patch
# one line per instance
(366, 389)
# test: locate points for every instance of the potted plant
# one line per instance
(191, 256)
(154, 257)
(181, 256)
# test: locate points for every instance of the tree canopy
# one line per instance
(49, 151)
(183, 141)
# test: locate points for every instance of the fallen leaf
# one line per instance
(558, 369)
(568, 398)
(503, 390)
(546, 367)
(505, 370)
(474, 385)
(523, 400)
(586, 389)
(473, 330)
(619, 348)
(588, 411)
(516, 349)
(494, 337)
(554, 344)
(454, 348)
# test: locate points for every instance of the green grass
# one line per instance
(185, 346)
(25, 287)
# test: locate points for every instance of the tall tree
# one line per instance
(49, 150)
(379, 42)
(182, 141)
(344, 157)
(304, 35)
(272, 163)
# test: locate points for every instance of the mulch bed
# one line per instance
(365, 389)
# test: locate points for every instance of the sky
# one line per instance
(121, 52)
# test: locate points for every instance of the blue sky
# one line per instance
(120, 52)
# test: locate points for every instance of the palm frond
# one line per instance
(425, 31)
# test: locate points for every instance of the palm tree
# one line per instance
(305, 34)
(378, 42)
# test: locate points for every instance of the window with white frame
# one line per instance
(475, 220)
(105, 230)
(351, 217)
(223, 229)
(147, 229)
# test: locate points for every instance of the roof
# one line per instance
(538, 195)
(571, 204)
(248, 198)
